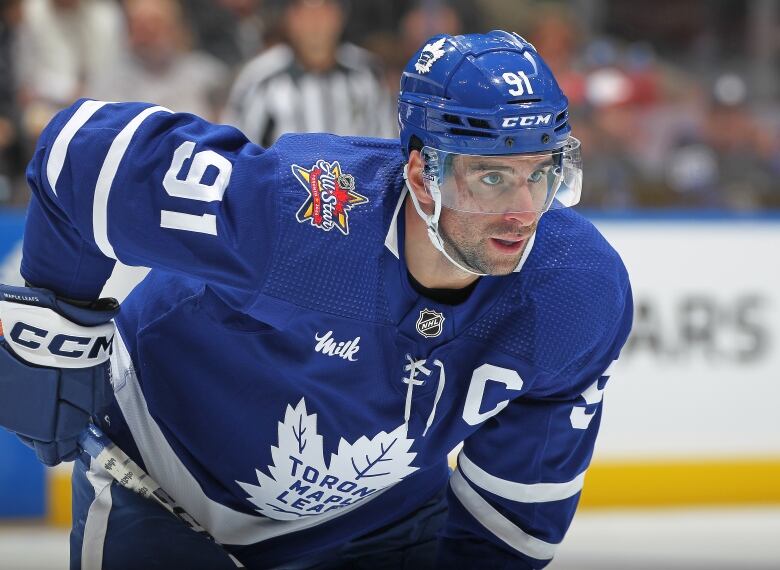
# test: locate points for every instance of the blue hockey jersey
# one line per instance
(277, 373)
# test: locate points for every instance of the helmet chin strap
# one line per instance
(432, 222)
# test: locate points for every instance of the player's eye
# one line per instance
(537, 175)
(492, 179)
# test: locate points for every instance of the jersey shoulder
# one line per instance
(336, 199)
(373, 163)
(569, 305)
(567, 241)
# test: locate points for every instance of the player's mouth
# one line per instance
(508, 244)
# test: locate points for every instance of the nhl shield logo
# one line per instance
(430, 323)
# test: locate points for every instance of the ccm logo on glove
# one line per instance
(25, 335)
(40, 336)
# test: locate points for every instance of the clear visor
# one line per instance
(509, 183)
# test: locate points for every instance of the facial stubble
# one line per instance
(474, 255)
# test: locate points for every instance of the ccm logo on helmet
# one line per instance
(527, 121)
(66, 345)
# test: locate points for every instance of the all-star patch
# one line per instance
(429, 54)
(331, 196)
(430, 323)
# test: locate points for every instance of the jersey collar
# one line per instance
(403, 298)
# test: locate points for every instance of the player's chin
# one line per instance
(497, 266)
(499, 269)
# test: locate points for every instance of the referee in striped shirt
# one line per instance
(311, 82)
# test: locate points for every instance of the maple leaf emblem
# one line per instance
(302, 485)
(429, 55)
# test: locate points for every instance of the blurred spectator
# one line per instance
(730, 161)
(608, 127)
(63, 45)
(424, 20)
(421, 21)
(310, 82)
(379, 18)
(10, 114)
(230, 30)
(159, 66)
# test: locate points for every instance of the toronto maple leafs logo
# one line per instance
(429, 55)
(331, 196)
(302, 485)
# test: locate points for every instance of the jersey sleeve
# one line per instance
(519, 477)
(137, 183)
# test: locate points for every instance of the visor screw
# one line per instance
(509, 142)
(545, 138)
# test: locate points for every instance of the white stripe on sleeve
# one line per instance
(59, 149)
(497, 523)
(520, 492)
(106, 179)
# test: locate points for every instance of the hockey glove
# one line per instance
(54, 369)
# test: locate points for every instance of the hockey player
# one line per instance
(324, 321)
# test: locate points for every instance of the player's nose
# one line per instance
(522, 218)
(523, 209)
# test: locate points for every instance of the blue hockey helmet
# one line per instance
(483, 94)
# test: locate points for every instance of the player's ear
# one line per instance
(414, 176)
